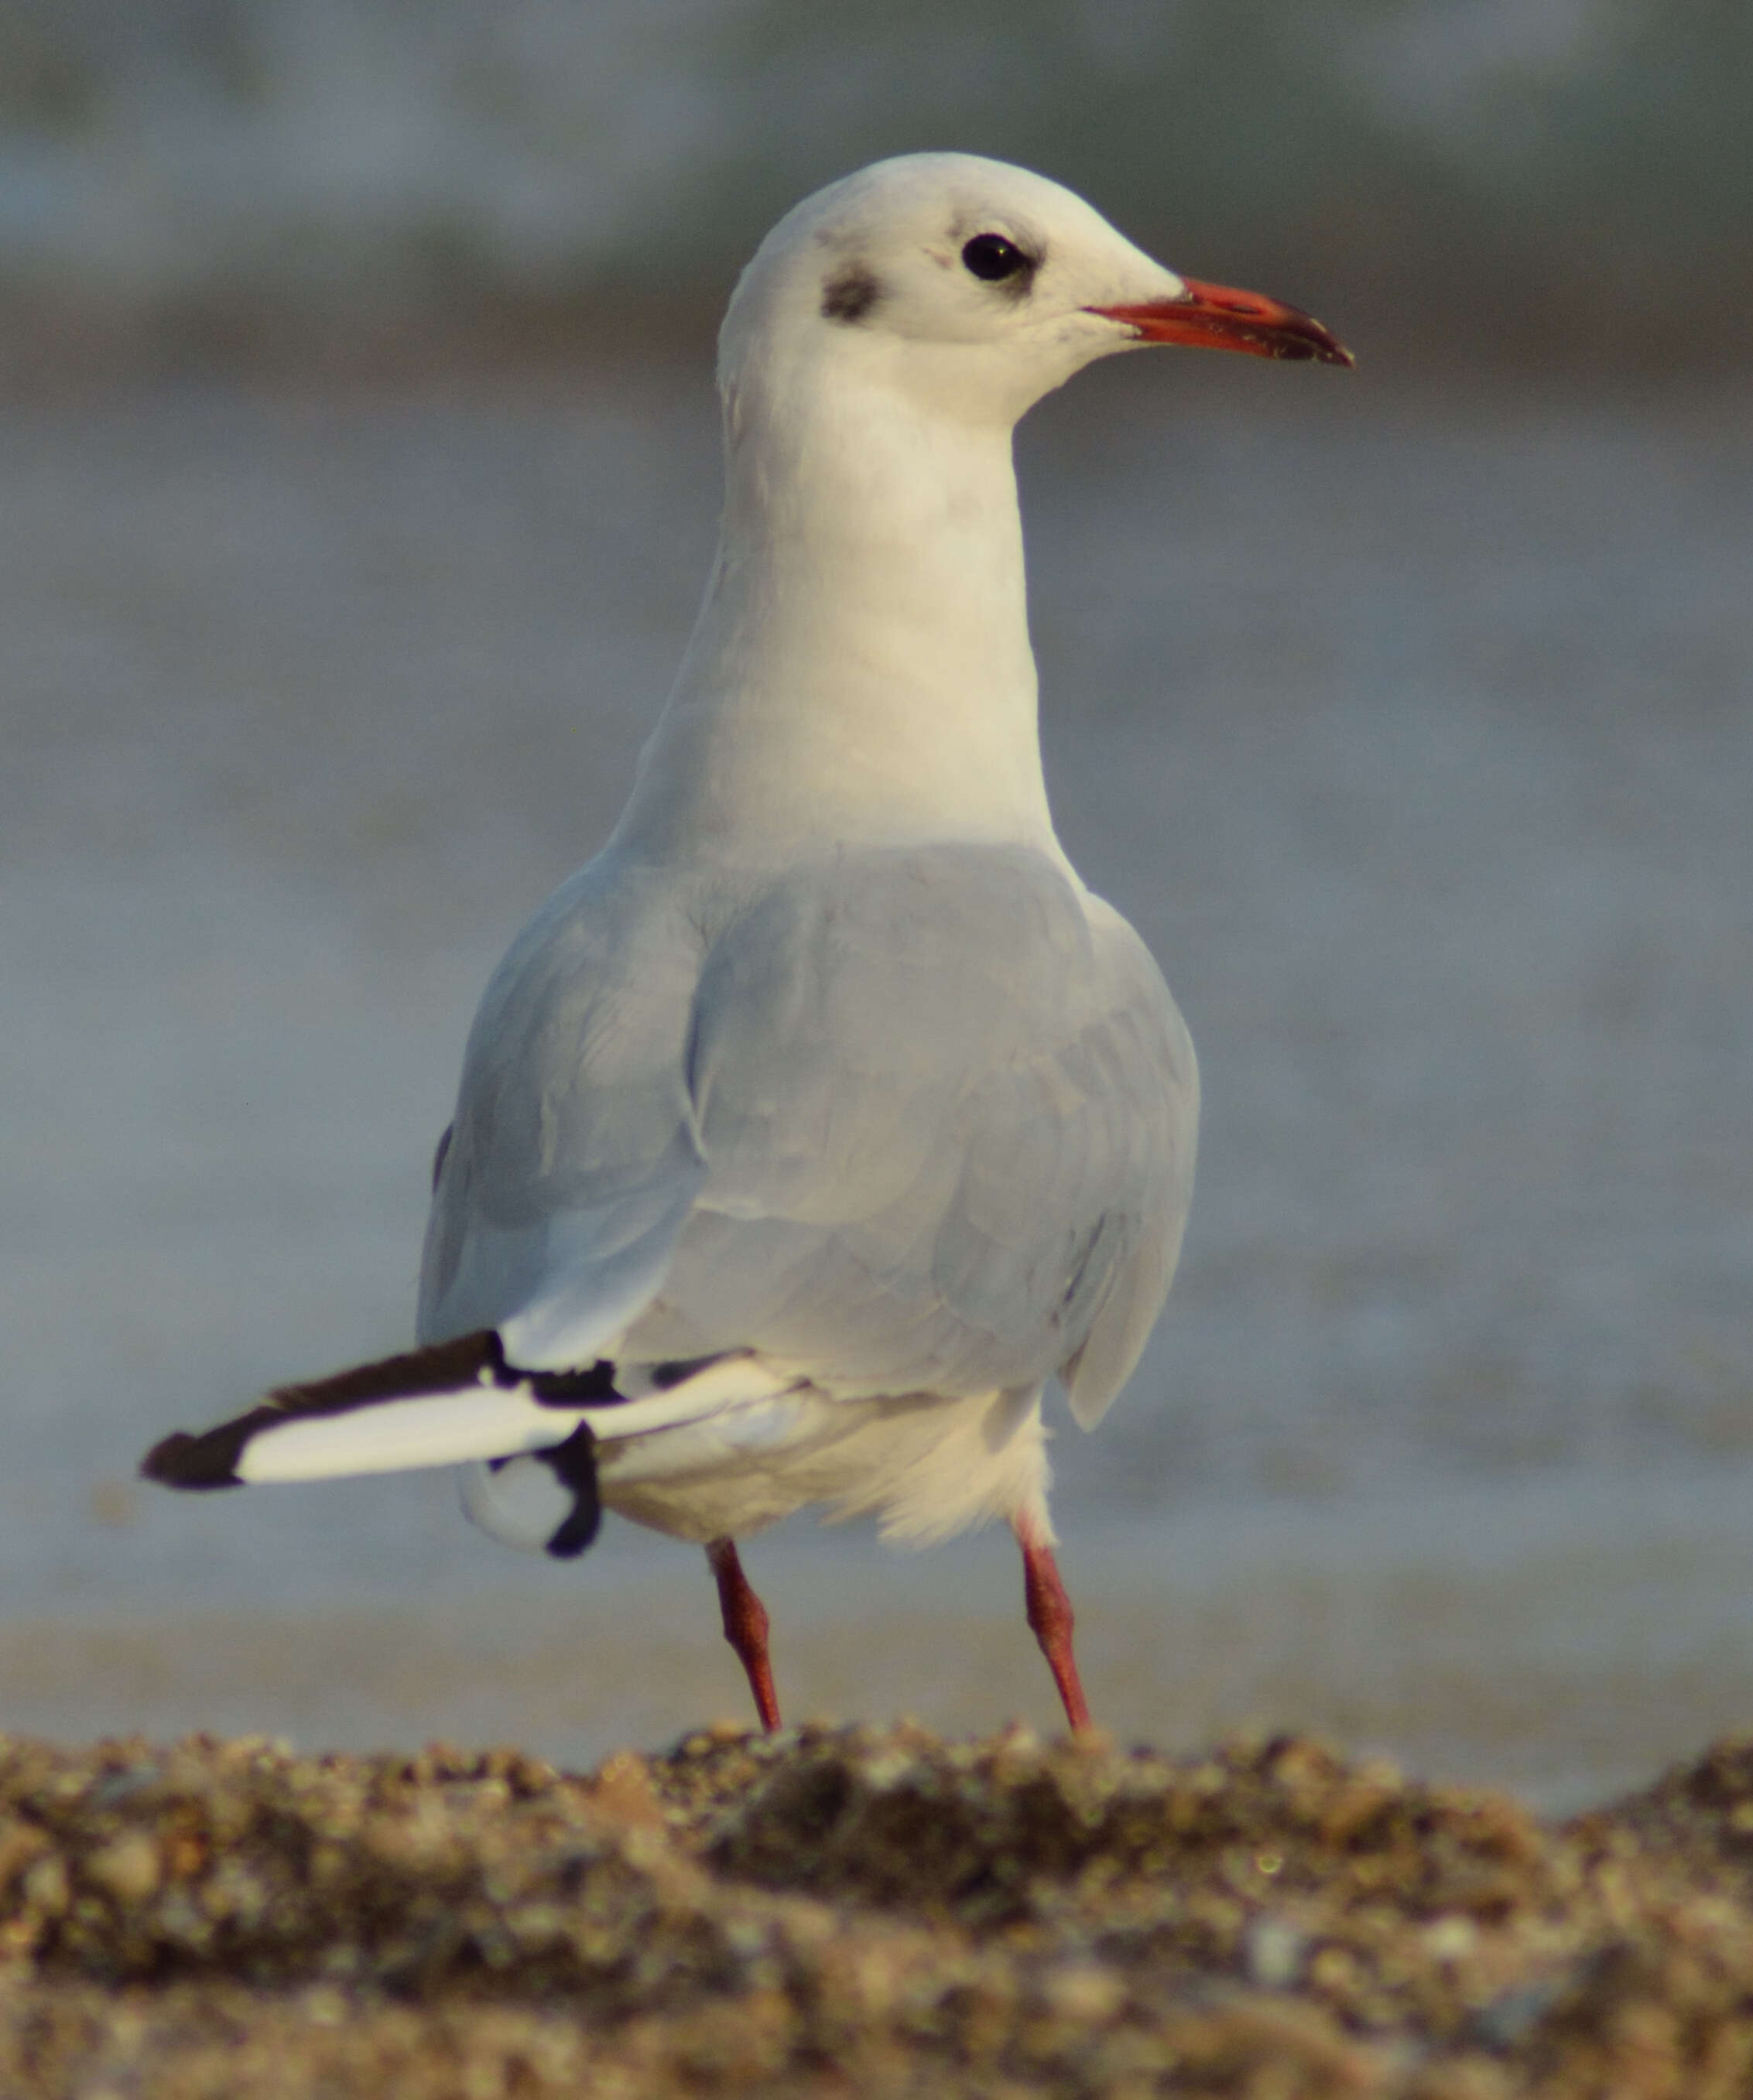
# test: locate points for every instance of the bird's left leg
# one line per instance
(745, 1627)
(1051, 1621)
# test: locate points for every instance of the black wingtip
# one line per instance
(574, 1465)
(207, 1461)
(212, 1458)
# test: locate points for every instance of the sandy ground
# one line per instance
(842, 1911)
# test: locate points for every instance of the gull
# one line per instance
(814, 1128)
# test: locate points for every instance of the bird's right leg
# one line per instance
(1050, 1621)
(745, 1627)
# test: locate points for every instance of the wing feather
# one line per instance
(948, 1110)
(902, 1121)
(572, 1162)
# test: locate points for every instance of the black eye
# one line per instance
(991, 257)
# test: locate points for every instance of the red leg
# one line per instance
(1051, 1620)
(745, 1628)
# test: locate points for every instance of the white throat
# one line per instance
(861, 667)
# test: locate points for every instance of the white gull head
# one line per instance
(862, 668)
(971, 289)
(964, 287)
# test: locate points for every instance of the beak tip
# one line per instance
(1214, 317)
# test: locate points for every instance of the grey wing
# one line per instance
(1152, 1078)
(572, 1161)
(948, 1112)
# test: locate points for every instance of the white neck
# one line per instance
(861, 667)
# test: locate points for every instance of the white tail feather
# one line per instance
(402, 1435)
(724, 1383)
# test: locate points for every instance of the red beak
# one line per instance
(1215, 318)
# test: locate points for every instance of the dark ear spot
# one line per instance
(849, 294)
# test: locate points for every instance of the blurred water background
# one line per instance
(357, 482)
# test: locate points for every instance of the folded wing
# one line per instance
(948, 1110)
(903, 1122)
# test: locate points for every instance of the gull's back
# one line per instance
(902, 1122)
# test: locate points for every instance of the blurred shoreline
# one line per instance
(1563, 1634)
(1518, 352)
